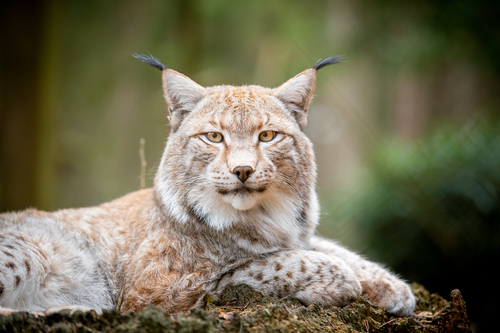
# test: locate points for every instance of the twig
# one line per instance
(326, 316)
(143, 163)
(119, 305)
(245, 306)
(367, 326)
(390, 321)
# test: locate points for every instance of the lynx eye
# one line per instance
(267, 136)
(214, 137)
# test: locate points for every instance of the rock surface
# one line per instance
(244, 310)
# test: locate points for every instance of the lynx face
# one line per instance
(238, 155)
(243, 146)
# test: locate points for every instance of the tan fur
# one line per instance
(200, 228)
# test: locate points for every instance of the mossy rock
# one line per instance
(244, 310)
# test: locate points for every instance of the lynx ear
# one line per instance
(182, 95)
(297, 92)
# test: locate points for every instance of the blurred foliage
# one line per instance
(446, 187)
(435, 204)
(431, 33)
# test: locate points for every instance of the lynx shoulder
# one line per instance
(233, 202)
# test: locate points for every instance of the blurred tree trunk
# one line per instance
(49, 84)
(20, 30)
(29, 66)
(190, 33)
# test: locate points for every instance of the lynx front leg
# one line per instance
(310, 276)
(380, 286)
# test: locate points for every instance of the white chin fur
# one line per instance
(241, 201)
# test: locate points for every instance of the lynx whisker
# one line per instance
(286, 181)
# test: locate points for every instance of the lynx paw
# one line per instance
(391, 293)
(331, 282)
(310, 276)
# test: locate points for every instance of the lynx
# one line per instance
(233, 202)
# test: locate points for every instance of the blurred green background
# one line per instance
(406, 131)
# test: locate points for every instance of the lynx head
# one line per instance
(237, 156)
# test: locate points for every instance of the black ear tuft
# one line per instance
(150, 60)
(328, 61)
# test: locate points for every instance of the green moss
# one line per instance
(241, 309)
(208, 299)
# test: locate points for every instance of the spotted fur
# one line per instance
(202, 226)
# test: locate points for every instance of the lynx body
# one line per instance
(233, 202)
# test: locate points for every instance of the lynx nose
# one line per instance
(243, 172)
